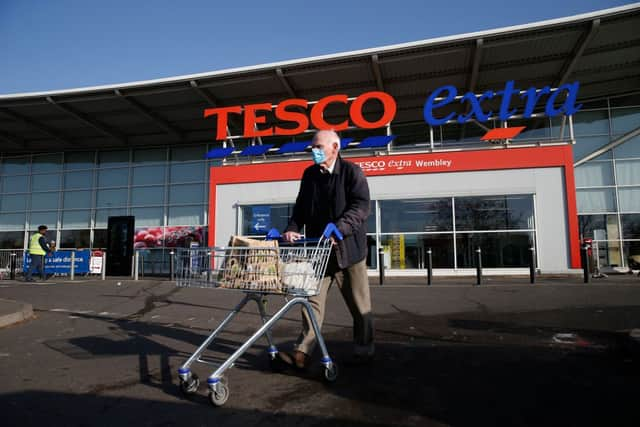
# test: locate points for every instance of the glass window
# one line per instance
(113, 177)
(50, 219)
(45, 182)
(15, 166)
(632, 253)
(591, 123)
(598, 227)
(403, 251)
(15, 184)
(12, 221)
(187, 172)
(113, 158)
(607, 254)
(146, 175)
(14, 202)
(81, 179)
(631, 148)
(625, 119)
(596, 200)
(494, 213)
(75, 239)
(82, 160)
(46, 163)
(181, 154)
(417, 215)
(148, 217)
(76, 219)
(186, 215)
(586, 145)
(109, 198)
(189, 193)
(628, 172)
(141, 196)
(499, 250)
(99, 239)
(594, 173)
(77, 199)
(12, 240)
(630, 226)
(150, 155)
(45, 201)
(102, 215)
(259, 219)
(629, 199)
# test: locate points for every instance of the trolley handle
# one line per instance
(329, 230)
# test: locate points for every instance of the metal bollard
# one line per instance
(429, 266)
(72, 273)
(104, 265)
(136, 258)
(584, 252)
(172, 257)
(141, 272)
(381, 265)
(209, 264)
(478, 266)
(532, 264)
(12, 272)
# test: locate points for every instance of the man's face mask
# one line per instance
(318, 155)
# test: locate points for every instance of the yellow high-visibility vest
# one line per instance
(34, 245)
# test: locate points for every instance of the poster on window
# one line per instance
(260, 219)
(169, 237)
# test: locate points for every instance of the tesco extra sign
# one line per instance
(289, 110)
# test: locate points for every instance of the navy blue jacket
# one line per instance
(341, 197)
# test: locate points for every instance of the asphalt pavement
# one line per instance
(504, 353)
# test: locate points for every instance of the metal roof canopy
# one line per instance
(599, 49)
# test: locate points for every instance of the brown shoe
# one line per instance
(297, 359)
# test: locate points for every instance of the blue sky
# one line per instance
(61, 44)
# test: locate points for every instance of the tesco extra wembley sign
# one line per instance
(300, 113)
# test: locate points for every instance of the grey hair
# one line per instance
(332, 133)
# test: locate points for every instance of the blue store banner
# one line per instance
(261, 219)
(59, 262)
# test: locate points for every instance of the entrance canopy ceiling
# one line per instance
(601, 50)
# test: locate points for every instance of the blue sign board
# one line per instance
(59, 262)
(260, 219)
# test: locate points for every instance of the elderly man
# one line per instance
(335, 190)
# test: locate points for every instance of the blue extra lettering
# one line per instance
(429, 105)
(569, 106)
(476, 107)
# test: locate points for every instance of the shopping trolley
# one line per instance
(294, 271)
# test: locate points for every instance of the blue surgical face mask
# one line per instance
(318, 155)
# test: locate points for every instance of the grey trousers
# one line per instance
(354, 286)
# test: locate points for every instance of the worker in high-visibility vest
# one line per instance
(38, 249)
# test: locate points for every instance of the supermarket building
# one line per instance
(221, 153)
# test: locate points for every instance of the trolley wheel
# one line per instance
(331, 374)
(275, 363)
(219, 397)
(190, 386)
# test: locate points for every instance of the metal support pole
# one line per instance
(429, 266)
(585, 263)
(12, 272)
(136, 257)
(209, 265)
(104, 265)
(381, 265)
(141, 271)
(72, 273)
(532, 264)
(478, 266)
(172, 258)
